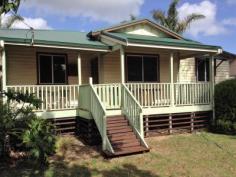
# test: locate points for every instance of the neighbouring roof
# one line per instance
(51, 37)
(226, 56)
(152, 40)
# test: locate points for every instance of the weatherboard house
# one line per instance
(121, 83)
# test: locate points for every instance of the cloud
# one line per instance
(230, 21)
(208, 26)
(36, 23)
(111, 11)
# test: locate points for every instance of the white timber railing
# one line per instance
(89, 100)
(53, 97)
(133, 112)
(159, 94)
(109, 94)
(151, 94)
(192, 94)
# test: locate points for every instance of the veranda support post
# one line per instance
(172, 101)
(3, 56)
(212, 85)
(122, 64)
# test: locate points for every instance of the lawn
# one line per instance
(195, 155)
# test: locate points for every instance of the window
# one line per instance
(202, 69)
(52, 69)
(142, 68)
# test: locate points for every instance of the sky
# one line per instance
(218, 28)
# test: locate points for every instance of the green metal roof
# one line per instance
(152, 40)
(51, 37)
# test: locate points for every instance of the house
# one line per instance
(124, 83)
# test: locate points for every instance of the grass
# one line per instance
(195, 155)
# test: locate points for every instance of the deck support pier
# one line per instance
(170, 124)
(192, 121)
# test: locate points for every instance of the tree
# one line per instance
(7, 6)
(170, 19)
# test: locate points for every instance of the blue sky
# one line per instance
(218, 28)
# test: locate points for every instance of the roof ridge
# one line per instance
(54, 30)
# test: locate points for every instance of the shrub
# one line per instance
(40, 139)
(13, 118)
(225, 106)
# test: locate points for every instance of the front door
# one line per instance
(94, 70)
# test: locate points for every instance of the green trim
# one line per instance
(61, 44)
(152, 40)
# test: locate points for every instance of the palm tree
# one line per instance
(171, 19)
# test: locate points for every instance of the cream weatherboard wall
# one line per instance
(187, 71)
(143, 29)
(22, 64)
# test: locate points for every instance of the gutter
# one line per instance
(58, 47)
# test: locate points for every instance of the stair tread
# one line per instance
(120, 138)
(119, 127)
(117, 124)
(126, 145)
(117, 121)
(131, 151)
(123, 130)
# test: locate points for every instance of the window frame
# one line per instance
(142, 55)
(38, 54)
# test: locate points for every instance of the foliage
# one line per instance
(40, 139)
(7, 6)
(225, 106)
(171, 20)
(17, 109)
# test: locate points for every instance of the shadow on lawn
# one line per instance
(61, 169)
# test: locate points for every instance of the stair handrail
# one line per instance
(133, 112)
(99, 114)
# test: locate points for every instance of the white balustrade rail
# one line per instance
(192, 93)
(90, 101)
(151, 94)
(109, 94)
(133, 112)
(53, 97)
(98, 112)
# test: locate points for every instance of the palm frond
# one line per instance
(159, 16)
(183, 25)
(172, 11)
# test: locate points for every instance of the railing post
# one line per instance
(172, 79)
(141, 125)
(90, 81)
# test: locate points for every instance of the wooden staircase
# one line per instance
(122, 137)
